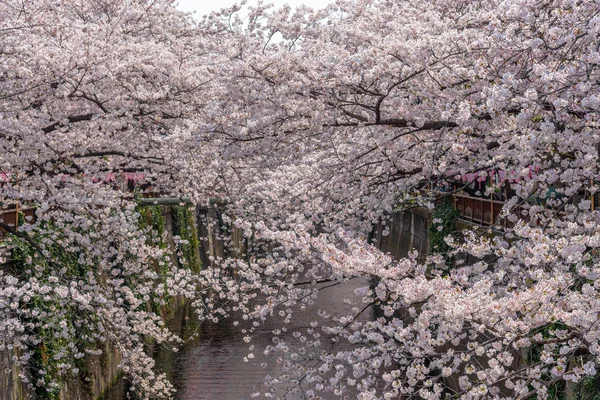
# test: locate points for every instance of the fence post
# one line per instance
(492, 209)
(481, 205)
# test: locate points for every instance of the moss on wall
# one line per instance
(92, 376)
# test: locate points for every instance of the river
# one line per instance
(211, 365)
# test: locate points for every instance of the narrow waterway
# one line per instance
(211, 366)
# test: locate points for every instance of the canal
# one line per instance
(211, 365)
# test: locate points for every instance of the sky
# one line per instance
(205, 6)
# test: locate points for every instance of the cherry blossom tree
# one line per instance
(90, 92)
(340, 117)
(306, 128)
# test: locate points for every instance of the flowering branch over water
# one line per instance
(304, 143)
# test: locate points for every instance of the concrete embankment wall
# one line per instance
(102, 370)
(408, 231)
(403, 232)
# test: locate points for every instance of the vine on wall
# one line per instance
(184, 226)
(66, 343)
(443, 224)
(65, 340)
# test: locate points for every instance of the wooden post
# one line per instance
(492, 209)
(481, 205)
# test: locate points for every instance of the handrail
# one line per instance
(13, 210)
(10, 217)
(488, 208)
(486, 205)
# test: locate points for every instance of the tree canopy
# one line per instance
(306, 128)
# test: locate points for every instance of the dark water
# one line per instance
(211, 366)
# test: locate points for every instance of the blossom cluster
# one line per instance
(300, 130)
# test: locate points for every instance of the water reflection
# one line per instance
(211, 366)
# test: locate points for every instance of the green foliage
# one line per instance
(152, 221)
(556, 391)
(537, 118)
(184, 226)
(20, 218)
(444, 218)
(63, 336)
(588, 388)
(54, 348)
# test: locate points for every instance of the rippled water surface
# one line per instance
(211, 366)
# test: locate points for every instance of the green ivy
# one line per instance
(588, 388)
(447, 215)
(184, 226)
(152, 220)
(44, 359)
(20, 218)
(556, 391)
